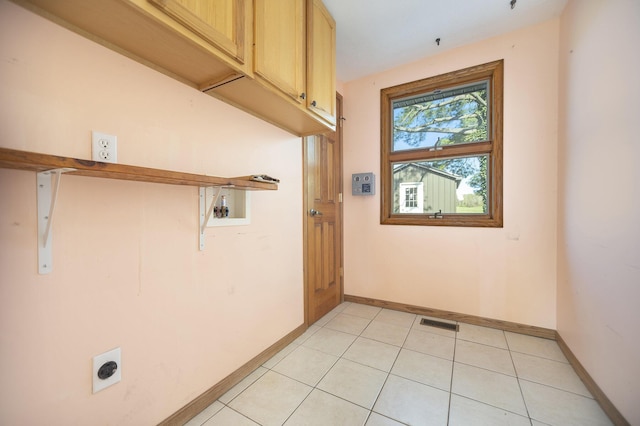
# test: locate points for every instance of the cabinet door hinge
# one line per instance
(339, 197)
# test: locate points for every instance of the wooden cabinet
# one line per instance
(279, 43)
(219, 22)
(321, 61)
(295, 52)
(287, 78)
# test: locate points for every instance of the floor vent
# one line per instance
(439, 324)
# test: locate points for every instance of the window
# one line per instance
(411, 197)
(442, 149)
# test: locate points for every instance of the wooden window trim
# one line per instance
(494, 72)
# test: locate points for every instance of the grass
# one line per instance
(474, 209)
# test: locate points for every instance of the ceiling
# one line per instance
(376, 35)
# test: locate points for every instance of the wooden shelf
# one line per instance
(23, 160)
(46, 166)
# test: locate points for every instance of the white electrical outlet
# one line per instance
(105, 373)
(104, 147)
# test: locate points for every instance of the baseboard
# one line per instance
(607, 406)
(192, 409)
(530, 330)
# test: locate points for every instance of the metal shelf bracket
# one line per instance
(205, 213)
(46, 208)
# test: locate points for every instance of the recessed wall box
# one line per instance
(238, 205)
(363, 184)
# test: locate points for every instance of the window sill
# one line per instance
(477, 221)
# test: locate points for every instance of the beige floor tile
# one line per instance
(498, 390)
(364, 311)
(227, 416)
(325, 319)
(426, 369)
(412, 403)
(271, 362)
(435, 330)
(308, 333)
(402, 371)
(242, 385)
(548, 372)
(354, 382)
(537, 346)
(484, 335)
(430, 343)
(328, 317)
(306, 365)
(465, 412)
(483, 356)
(403, 319)
(376, 419)
(557, 407)
(341, 307)
(372, 353)
(322, 409)
(330, 341)
(271, 399)
(386, 333)
(205, 414)
(348, 324)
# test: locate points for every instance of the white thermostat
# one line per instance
(363, 184)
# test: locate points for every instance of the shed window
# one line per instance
(442, 137)
(411, 197)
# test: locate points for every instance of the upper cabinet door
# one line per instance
(321, 61)
(220, 22)
(279, 51)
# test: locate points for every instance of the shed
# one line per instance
(418, 188)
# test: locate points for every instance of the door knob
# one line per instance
(315, 212)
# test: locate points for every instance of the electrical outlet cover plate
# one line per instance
(98, 361)
(104, 147)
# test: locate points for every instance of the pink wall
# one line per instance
(599, 196)
(506, 273)
(127, 271)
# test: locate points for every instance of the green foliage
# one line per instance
(479, 181)
(474, 209)
(471, 200)
(448, 121)
(455, 119)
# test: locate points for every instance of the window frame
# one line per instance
(493, 147)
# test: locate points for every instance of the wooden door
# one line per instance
(280, 45)
(221, 22)
(321, 61)
(323, 222)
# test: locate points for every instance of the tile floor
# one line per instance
(362, 365)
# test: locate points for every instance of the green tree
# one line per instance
(448, 120)
(456, 119)
(479, 182)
